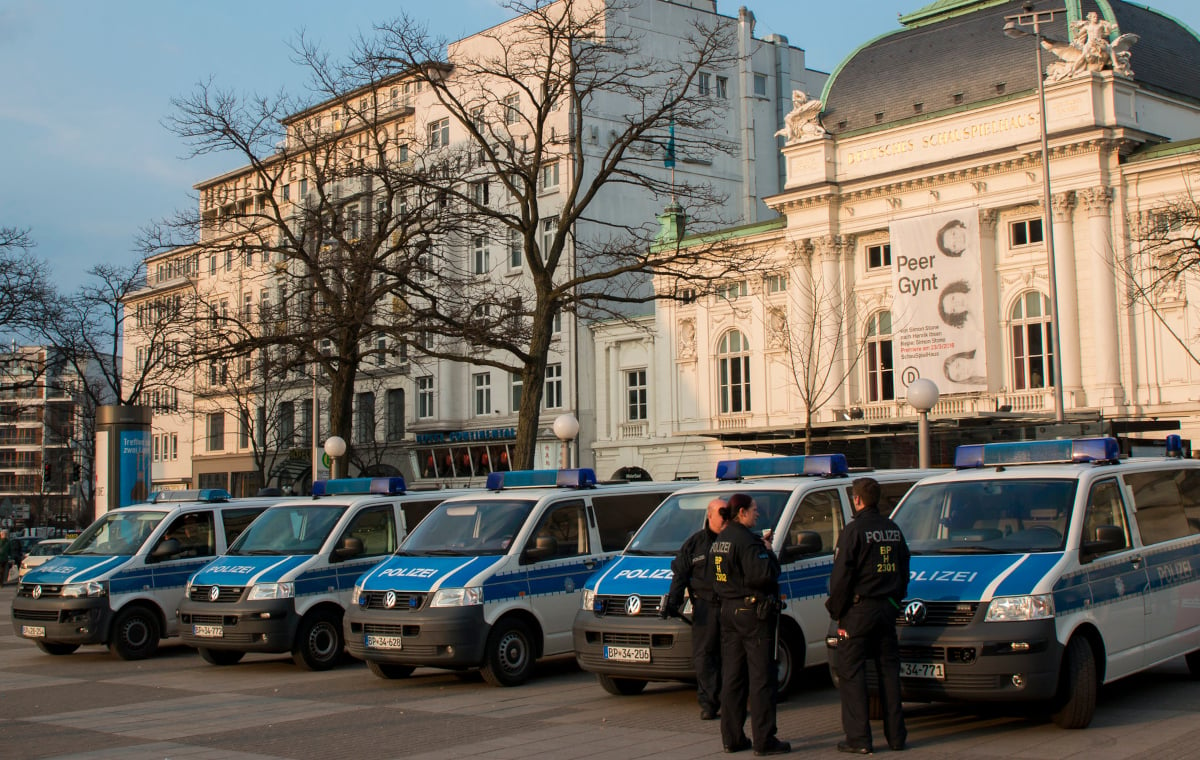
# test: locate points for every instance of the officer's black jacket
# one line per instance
(871, 562)
(741, 565)
(689, 569)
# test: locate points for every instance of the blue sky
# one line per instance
(86, 85)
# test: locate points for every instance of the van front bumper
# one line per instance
(669, 643)
(64, 620)
(260, 626)
(442, 637)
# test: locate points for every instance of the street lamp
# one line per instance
(1013, 28)
(922, 395)
(566, 427)
(335, 447)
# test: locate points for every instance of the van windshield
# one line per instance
(116, 533)
(299, 529)
(468, 528)
(681, 515)
(987, 517)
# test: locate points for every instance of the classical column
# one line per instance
(993, 318)
(1097, 202)
(828, 309)
(1067, 280)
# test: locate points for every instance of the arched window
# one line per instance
(880, 370)
(1031, 333)
(733, 368)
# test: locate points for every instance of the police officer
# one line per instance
(745, 574)
(869, 580)
(689, 570)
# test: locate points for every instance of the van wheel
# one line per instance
(318, 641)
(390, 671)
(1193, 663)
(221, 656)
(135, 634)
(50, 648)
(621, 687)
(508, 658)
(1077, 687)
(789, 661)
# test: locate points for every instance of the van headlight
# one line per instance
(89, 588)
(356, 596)
(272, 591)
(1006, 609)
(589, 598)
(457, 597)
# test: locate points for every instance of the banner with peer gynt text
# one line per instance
(937, 307)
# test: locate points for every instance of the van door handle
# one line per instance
(590, 564)
(1136, 562)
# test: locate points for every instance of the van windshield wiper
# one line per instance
(969, 549)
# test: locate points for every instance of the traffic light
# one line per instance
(47, 471)
(76, 472)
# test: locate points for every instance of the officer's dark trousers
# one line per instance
(706, 652)
(747, 669)
(871, 629)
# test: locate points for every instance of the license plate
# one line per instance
(934, 670)
(384, 642)
(208, 631)
(627, 654)
(33, 631)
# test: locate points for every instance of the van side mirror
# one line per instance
(1108, 538)
(351, 546)
(546, 546)
(808, 542)
(165, 550)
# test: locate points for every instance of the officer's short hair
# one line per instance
(867, 489)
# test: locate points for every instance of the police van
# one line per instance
(492, 580)
(120, 581)
(1041, 570)
(283, 586)
(805, 502)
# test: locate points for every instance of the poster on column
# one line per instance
(937, 307)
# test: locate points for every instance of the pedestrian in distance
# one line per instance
(8, 548)
(745, 574)
(868, 583)
(689, 571)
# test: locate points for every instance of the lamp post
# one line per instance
(922, 395)
(335, 447)
(1013, 28)
(566, 427)
(316, 425)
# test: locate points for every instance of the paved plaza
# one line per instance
(92, 705)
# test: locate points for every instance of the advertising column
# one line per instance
(122, 456)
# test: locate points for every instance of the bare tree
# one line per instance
(1166, 240)
(24, 281)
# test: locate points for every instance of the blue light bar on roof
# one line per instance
(816, 464)
(1037, 452)
(1174, 446)
(580, 478)
(393, 485)
(191, 494)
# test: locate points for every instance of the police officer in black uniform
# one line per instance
(689, 570)
(870, 579)
(745, 574)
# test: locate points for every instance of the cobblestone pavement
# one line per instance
(92, 705)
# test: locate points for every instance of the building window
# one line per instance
(881, 384)
(704, 83)
(364, 417)
(760, 85)
(287, 424)
(304, 423)
(482, 262)
(174, 446)
(516, 384)
(482, 383)
(212, 263)
(731, 291)
(723, 88)
(636, 405)
(776, 283)
(1025, 232)
(395, 414)
(516, 252)
(512, 109)
(215, 431)
(550, 176)
(553, 398)
(381, 352)
(733, 370)
(243, 430)
(439, 133)
(556, 322)
(425, 397)
(879, 256)
(1032, 333)
(480, 193)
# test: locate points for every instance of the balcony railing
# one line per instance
(637, 429)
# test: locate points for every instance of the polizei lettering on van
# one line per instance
(942, 576)
(409, 572)
(660, 573)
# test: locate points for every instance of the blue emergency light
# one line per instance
(191, 494)
(1037, 452)
(1174, 446)
(815, 464)
(391, 485)
(581, 478)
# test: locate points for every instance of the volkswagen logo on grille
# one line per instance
(214, 593)
(389, 599)
(37, 592)
(633, 605)
(914, 613)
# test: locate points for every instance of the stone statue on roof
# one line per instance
(803, 121)
(1090, 49)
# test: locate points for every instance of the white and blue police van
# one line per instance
(120, 581)
(803, 500)
(284, 585)
(1041, 570)
(492, 580)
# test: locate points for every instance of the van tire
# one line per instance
(389, 670)
(1193, 663)
(509, 654)
(221, 656)
(621, 687)
(789, 662)
(1076, 701)
(52, 648)
(135, 634)
(319, 643)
